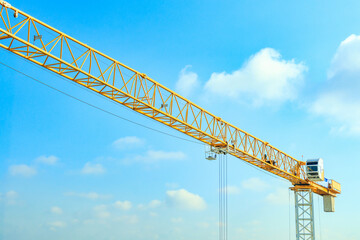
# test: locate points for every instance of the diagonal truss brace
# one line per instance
(59, 53)
(304, 214)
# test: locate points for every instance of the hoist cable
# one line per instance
(220, 190)
(223, 197)
(96, 107)
(289, 215)
(319, 217)
(226, 198)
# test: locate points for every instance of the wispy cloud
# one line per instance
(151, 205)
(231, 190)
(54, 226)
(101, 211)
(254, 184)
(128, 219)
(177, 220)
(128, 142)
(9, 197)
(93, 169)
(152, 156)
(22, 170)
(155, 204)
(203, 224)
(172, 185)
(280, 196)
(187, 82)
(11, 194)
(340, 100)
(123, 205)
(56, 210)
(182, 199)
(48, 160)
(89, 195)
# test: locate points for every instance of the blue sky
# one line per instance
(285, 71)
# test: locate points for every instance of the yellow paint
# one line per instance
(143, 95)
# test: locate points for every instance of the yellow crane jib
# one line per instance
(46, 46)
(57, 52)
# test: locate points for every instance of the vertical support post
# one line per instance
(304, 214)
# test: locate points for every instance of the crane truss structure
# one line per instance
(304, 214)
(57, 52)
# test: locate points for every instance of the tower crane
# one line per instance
(59, 53)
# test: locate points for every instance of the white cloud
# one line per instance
(265, 77)
(10, 197)
(346, 58)
(155, 204)
(231, 190)
(56, 225)
(93, 168)
(22, 170)
(254, 184)
(56, 210)
(203, 224)
(280, 196)
(187, 83)
(125, 205)
(153, 214)
(131, 219)
(50, 160)
(11, 194)
(128, 142)
(101, 211)
(240, 231)
(151, 205)
(182, 199)
(141, 206)
(176, 220)
(90, 195)
(341, 110)
(152, 156)
(339, 102)
(172, 185)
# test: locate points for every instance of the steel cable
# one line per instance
(96, 107)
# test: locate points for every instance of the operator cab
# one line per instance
(210, 153)
(210, 156)
(315, 169)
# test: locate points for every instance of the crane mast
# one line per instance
(57, 52)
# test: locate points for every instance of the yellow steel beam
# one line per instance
(44, 45)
